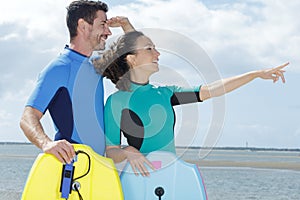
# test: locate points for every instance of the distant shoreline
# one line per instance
(12, 143)
(248, 164)
(243, 148)
(195, 147)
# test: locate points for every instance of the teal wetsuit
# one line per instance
(145, 116)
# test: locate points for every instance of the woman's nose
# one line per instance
(157, 52)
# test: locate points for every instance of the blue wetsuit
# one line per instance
(72, 92)
(145, 116)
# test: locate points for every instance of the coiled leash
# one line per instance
(67, 182)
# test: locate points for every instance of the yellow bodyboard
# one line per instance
(101, 183)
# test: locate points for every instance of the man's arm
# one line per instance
(121, 22)
(224, 86)
(33, 130)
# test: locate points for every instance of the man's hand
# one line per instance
(61, 149)
(120, 21)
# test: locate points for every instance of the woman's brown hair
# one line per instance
(113, 64)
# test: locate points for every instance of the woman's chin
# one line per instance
(156, 69)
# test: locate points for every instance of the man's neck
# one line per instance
(81, 47)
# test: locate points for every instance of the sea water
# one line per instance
(15, 163)
(246, 183)
(222, 183)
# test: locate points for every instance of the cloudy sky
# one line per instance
(236, 36)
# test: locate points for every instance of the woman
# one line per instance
(144, 113)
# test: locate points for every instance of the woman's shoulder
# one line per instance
(118, 97)
(168, 88)
(174, 88)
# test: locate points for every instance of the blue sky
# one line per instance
(237, 36)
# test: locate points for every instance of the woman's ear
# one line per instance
(130, 60)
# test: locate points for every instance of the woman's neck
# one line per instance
(140, 78)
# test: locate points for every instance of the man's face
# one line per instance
(99, 31)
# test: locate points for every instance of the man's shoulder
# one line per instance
(59, 64)
(61, 60)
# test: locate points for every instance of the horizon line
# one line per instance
(198, 147)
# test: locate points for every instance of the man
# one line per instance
(70, 89)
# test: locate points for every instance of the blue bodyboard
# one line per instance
(173, 179)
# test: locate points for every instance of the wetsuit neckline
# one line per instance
(134, 85)
(141, 84)
(75, 55)
(67, 47)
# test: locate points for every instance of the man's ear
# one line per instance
(81, 25)
(131, 60)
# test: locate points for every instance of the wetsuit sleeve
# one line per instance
(49, 81)
(185, 95)
(112, 120)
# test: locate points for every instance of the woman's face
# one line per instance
(146, 57)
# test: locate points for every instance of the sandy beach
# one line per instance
(252, 164)
(262, 159)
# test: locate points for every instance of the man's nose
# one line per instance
(107, 30)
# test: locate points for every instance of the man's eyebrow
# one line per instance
(104, 21)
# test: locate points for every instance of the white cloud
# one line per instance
(9, 37)
(29, 31)
(39, 18)
(236, 35)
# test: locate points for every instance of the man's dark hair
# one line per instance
(82, 9)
